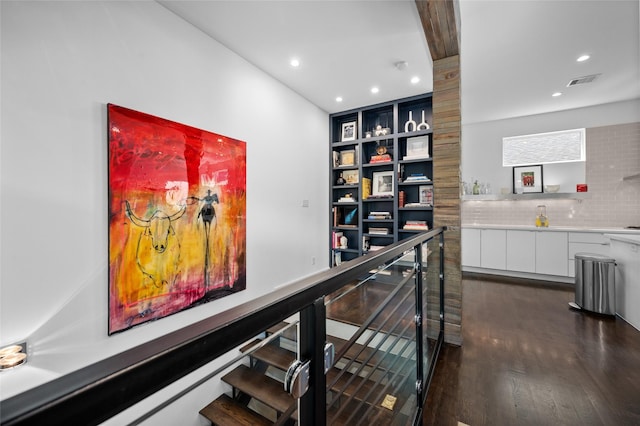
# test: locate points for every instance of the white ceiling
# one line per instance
(514, 53)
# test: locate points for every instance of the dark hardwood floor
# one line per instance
(528, 359)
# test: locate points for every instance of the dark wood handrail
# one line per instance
(97, 392)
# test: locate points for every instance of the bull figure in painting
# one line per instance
(158, 250)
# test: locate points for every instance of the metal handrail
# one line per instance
(130, 376)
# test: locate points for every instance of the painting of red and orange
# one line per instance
(177, 217)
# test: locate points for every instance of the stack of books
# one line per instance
(336, 239)
(416, 225)
(384, 158)
(346, 200)
(379, 215)
(417, 177)
(378, 231)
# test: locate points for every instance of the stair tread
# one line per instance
(225, 411)
(358, 388)
(379, 359)
(290, 333)
(263, 388)
(272, 354)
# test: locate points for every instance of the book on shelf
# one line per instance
(416, 225)
(417, 177)
(366, 188)
(379, 215)
(416, 205)
(378, 231)
(336, 239)
(401, 199)
(374, 248)
(337, 258)
(380, 196)
(384, 158)
(365, 243)
(347, 200)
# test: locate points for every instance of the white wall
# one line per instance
(482, 142)
(61, 63)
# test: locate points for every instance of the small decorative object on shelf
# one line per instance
(365, 243)
(529, 177)
(340, 180)
(410, 125)
(423, 124)
(382, 156)
(343, 242)
(348, 198)
(381, 131)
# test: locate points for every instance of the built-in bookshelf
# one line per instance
(381, 175)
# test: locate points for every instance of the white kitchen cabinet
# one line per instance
(586, 242)
(470, 247)
(626, 251)
(552, 253)
(521, 251)
(493, 249)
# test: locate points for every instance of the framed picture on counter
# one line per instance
(527, 179)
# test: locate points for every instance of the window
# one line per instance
(544, 148)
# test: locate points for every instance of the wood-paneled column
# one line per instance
(446, 179)
(441, 28)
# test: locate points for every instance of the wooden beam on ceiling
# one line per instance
(440, 24)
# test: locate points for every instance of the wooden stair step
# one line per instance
(225, 411)
(263, 388)
(290, 333)
(379, 359)
(272, 354)
(358, 388)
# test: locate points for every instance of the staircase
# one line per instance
(364, 387)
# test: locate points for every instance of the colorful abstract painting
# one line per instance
(177, 217)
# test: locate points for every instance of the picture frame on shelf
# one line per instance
(425, 195)
(527, 179)
(350, 177)
(417, 147)
(382, 183)
(349, 131)
(348, 157)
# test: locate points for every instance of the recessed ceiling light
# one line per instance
(583, 58)
(415, 80)
(374, 90)
(555, 95)
(295, 63)
(339, 99)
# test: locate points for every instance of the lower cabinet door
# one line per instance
(521, 251)
(552, 253)
(493, 252)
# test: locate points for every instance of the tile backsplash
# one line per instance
(613, 153)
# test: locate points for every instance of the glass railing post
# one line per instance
(418, 322)
(312, 339)
(442, 283)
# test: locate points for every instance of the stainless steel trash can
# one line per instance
(595, 283)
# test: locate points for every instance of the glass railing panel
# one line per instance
(371, 324)
(430, 302)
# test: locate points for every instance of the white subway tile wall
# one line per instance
(613, 153)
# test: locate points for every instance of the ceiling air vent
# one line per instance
(583, 80)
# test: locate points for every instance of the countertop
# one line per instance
(613, 231)
(627, 238)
